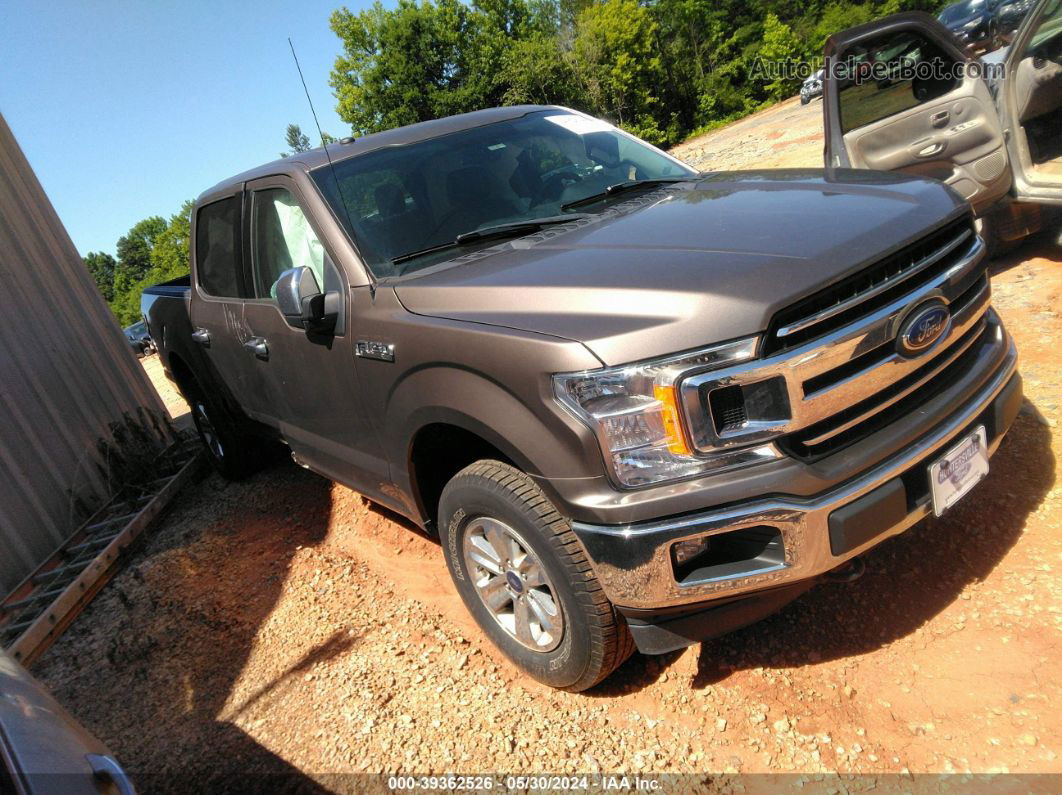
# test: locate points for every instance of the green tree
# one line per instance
(296, 140)
(410, 63)
(134, 250)
(536, 71)
(101, 267)
(837, 16)
(616, 61)
(167, 258)
(780, 46)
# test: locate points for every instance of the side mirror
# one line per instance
(302, 303)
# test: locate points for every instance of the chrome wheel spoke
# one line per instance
(544, 608)
(484, 554)
(499, 540)
(495, 594)
(523, 621)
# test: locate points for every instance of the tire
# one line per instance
(233, 454)
(995, 245)
(804, 99)
(586, 640)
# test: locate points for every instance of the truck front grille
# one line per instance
(871, 288)
(897, 400)
(836, 372)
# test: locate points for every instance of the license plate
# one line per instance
(958, 470)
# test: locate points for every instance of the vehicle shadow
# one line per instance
(1045, 243)
(153, 666)
(909, 579)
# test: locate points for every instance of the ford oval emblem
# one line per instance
(924, 326)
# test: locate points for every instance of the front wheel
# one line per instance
(522, 574)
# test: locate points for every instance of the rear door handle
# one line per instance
(259, 347)
(202, 336)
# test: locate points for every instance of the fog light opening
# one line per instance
(737, 553)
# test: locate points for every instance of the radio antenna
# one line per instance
(324, 145)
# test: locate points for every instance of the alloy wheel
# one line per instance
(513, 584)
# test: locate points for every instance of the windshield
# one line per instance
(410, 198)
(961, 11)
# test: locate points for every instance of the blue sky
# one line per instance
(125, 109)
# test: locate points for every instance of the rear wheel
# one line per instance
(522, 574)
(231, 453)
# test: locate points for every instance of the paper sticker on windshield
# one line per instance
(580, 125)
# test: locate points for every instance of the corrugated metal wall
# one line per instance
(71, 391)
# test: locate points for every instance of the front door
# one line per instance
(1032, 104)
(901, 95)
(311, 392)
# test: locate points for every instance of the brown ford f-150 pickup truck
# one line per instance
(640, 405)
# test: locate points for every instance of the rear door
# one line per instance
(221, 288)
(901, 95)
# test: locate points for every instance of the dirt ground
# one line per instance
(284, 625)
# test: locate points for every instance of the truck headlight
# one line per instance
(635, 411)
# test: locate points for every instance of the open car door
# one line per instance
(1031, 104)
(899, 94)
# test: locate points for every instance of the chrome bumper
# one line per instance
(633, 563)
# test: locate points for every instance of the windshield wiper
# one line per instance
(487, 233)
(622, 187)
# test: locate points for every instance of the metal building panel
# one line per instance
(73, 398)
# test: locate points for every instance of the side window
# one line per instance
(217, 249)
(890, 75)
(283, 239)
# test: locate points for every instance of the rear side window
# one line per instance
(890, 75)
(217, 249)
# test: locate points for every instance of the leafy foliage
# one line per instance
(101, 267)
(660, 68)
(297, 141)
(153, 251)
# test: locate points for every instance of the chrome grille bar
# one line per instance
(876, 290)
(940, 363)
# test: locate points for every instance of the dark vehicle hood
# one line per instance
(687, 265)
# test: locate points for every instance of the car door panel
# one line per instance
(310, 389)
(957, 140)
(1031, 104)
(955, 136)
(221, 288)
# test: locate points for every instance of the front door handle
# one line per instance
(259, 347)
(202, 336)
(927, 147)
(940, 119)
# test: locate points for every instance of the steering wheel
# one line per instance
(554, 186)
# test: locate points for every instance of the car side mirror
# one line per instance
(302, 303)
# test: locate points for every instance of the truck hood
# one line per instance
(685, 265)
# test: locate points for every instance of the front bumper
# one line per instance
(634, 565)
